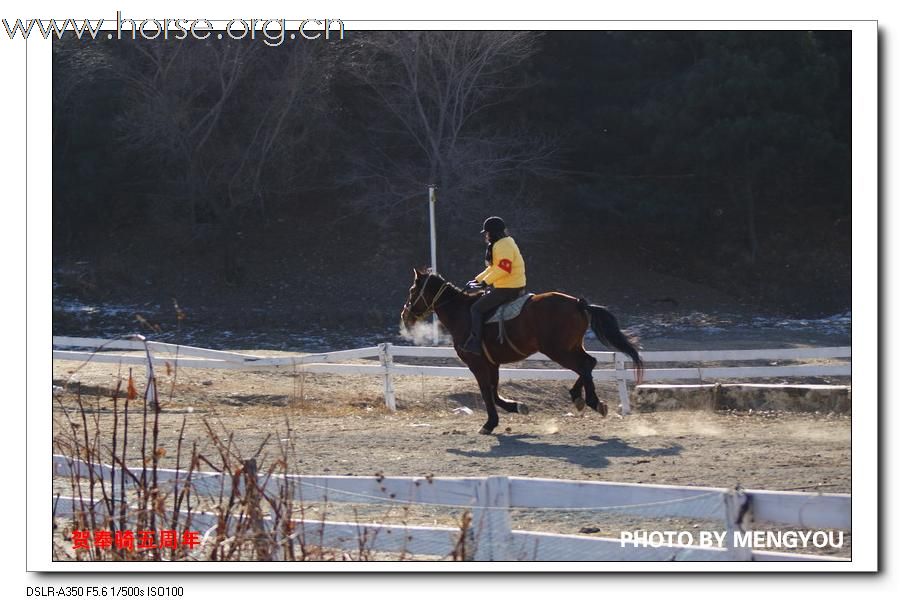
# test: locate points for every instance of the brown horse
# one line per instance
(550, 323)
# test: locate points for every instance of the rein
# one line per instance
(431, 307)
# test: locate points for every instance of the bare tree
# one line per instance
(438, 87)
(75, 65)
(215, 115)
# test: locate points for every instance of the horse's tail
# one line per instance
(605, 326)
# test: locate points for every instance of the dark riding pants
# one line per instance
(488, 302)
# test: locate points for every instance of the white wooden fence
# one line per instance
(491, 500)
(612, 365)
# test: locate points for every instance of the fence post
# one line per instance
(736, 506)
(621, 381)
(150, 392)
(388, 388)
(492, 529)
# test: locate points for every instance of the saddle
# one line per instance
(509, 310)
(506, 312)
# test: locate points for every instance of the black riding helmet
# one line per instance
(494, 225)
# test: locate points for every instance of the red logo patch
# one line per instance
(506, 264)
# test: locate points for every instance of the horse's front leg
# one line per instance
(503, 402)
(485, 373)
(486, 392)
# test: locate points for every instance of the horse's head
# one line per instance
(422, 297)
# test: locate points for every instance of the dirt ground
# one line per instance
(339, 425)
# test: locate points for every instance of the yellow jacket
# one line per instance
(507, 269)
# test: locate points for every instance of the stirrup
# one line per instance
(472, 345)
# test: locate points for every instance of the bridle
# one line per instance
(431, 306)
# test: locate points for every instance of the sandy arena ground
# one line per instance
(339, 425)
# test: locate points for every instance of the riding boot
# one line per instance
(474, 341)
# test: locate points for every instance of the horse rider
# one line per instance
(504, 278)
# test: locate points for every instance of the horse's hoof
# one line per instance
(579, 403)
(601, 408)
(522, 409)
(485, 431)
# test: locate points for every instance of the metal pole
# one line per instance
(432, 201)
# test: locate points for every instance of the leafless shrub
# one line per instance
(254, 514)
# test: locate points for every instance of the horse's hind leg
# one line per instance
(576, 392)
(576, 361)
(503, 402)
(588, 362)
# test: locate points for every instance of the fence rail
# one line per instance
(492, 499)
(612, 365)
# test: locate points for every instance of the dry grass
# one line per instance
(130, 497)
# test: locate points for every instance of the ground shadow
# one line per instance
(589, 456)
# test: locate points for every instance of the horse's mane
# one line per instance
(451, 284)
(442, 280)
